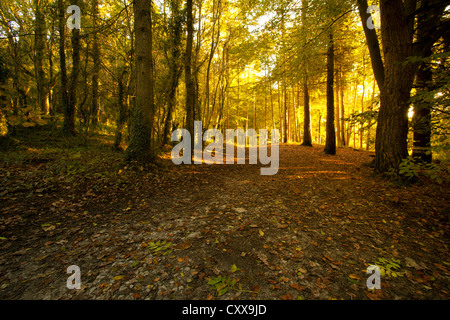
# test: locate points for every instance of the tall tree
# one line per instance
(189, 81)
(141, 142)
(96, 65)
(330, 142)
(69, 120)
(215, 35)
(307, 139)
(391, 141)
(422, 115)
(428, 19)
(175, 64)
(70, 106)
(395, 78)
(372, 43)
(40, 31)
(337, 109)
(123, 114)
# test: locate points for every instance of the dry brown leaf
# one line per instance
(297, 287)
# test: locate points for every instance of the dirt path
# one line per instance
(225, 231)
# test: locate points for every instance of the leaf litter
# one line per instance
(176, 232)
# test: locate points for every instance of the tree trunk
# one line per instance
(68, 121)
(214, 42)
(330, 142)
(265, 100)
(342, 122)
(422, 117)
(123, 114)
(426, 36)
(286, 116)
(337, 108)
(176, 26)
(273, 126)
(40, 31)
(361, 125)
(190, 85)
(141, 143)
(372, 43)
(397, 26)
(294, 112)
(392, 130)
(319, 138)
(96, 68)
(307, 140)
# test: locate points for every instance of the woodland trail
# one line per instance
(223, 231)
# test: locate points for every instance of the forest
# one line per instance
(354, 96)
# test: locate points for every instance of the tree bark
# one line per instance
(342, 122)
(330, 142)
(286, 116)
(307, 140)
(68, 121)
(214, 42)
(428, 18)
(123, 114)
(422, 117)
(337, 109)
(372, 43)
(40, 31)
(96, 68)
(176, 26)
(397, 26)
(190, 85)
(141, 143)
(392, 130)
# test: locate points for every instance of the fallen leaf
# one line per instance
(354, 276)
(372, 296)
(20, 252)
(103, 285)
(115, 286)
(297, 287)
(263, 258)
(47, 227)
(286, 296)
(411, 263)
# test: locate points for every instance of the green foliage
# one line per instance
(160, 247)
(390, 268)
(222, 284)
(411, 169)
(364, 118)
(437, 97)
(434, 172)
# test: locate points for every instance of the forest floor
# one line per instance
(214, 231)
